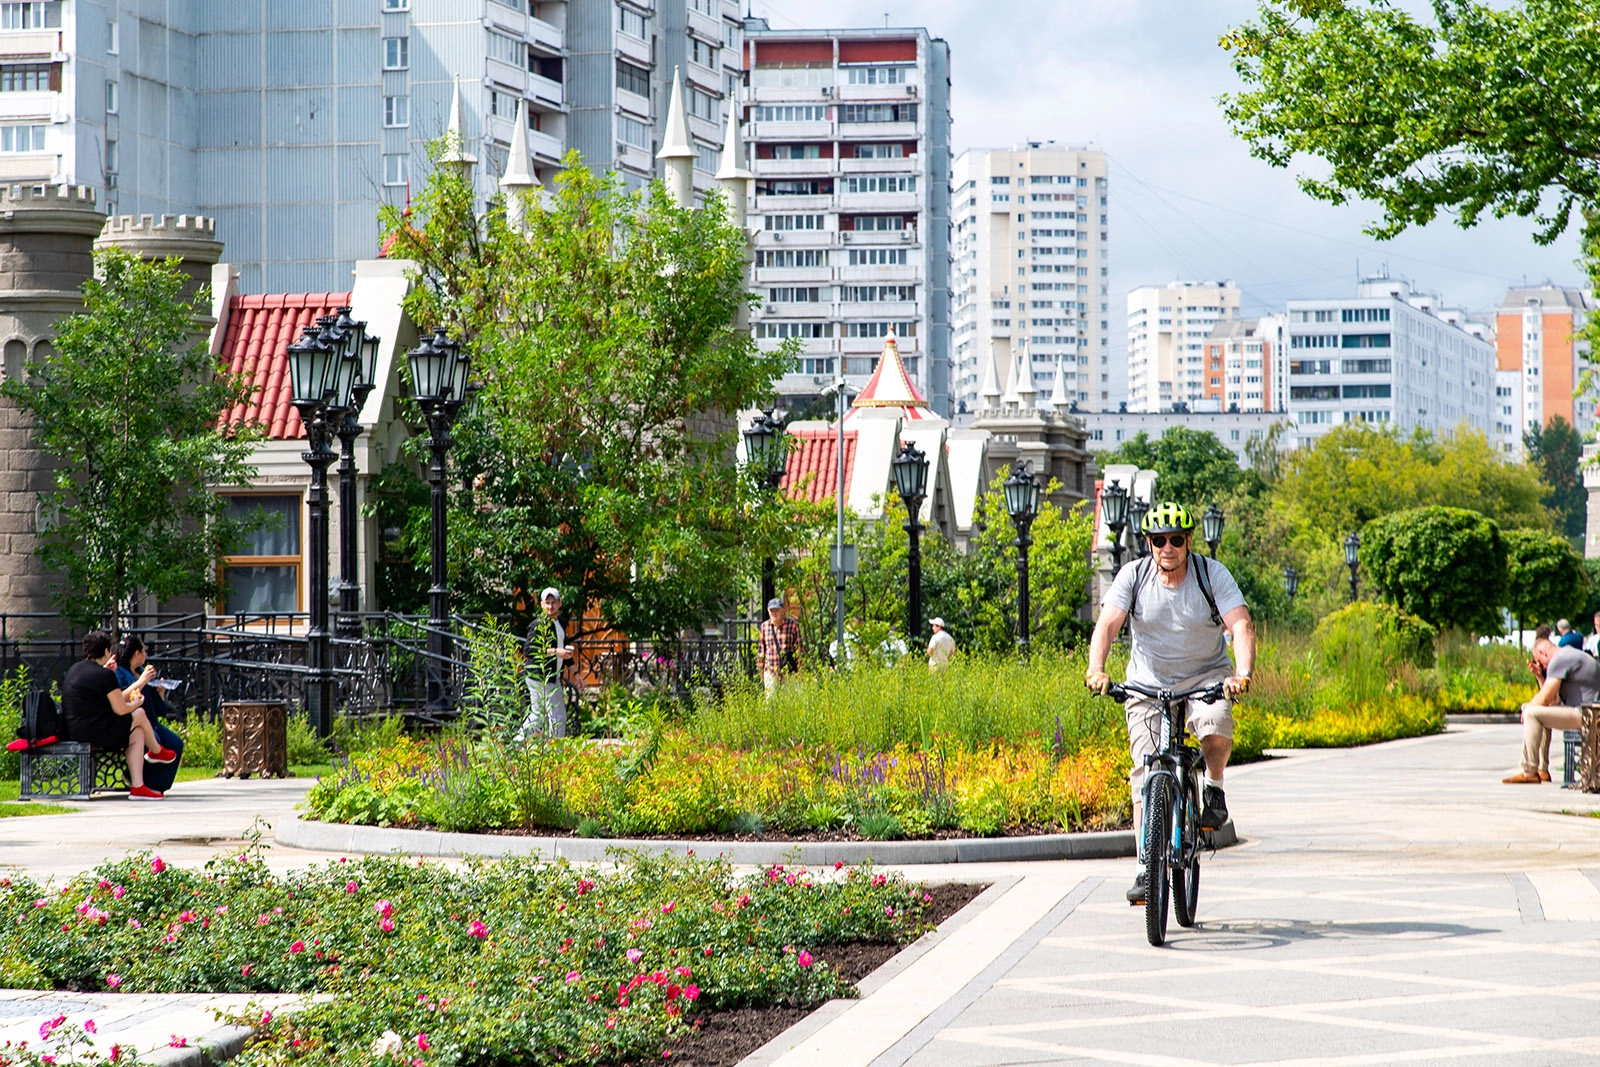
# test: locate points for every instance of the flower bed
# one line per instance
(499, 962)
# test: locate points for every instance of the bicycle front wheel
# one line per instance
(1158, 817)
(1186, 874)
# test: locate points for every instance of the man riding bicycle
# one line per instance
(1178, 606)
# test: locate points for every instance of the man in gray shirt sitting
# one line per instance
(1571, 680)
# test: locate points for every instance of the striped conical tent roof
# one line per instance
(891, 387)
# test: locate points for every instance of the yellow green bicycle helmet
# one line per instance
(1167, 517)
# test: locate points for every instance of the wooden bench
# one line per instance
(71, 770)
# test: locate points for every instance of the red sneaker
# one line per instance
(161, 755)
(144, 792)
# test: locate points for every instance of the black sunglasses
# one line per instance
(1160, 540)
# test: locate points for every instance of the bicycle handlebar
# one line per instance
(1120, 692)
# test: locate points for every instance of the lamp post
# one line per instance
(1114, 506)
(362, 355)
(321, 376)
(1137, 509)
(763, 453)
(1352, 549)
(1211, 526)
(911, 479)
(439, 374)
(1022, 501)
(1291, 580)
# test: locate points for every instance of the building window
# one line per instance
(793, 257)
(111, 156)
(873, 294)
(397, 5)
(877, 75)
(878, 113)
(879, 257)
(113, 37)
(796, 151)
(503, 105)
(396, 53)
(22, 138)
(880, 329)
(707, 158)
(794, 294)
(264, 576)
(396, 169)
(30, 16)
(1367, 392)
(634, 79)
(702, 52)
(783, 330)
(1364, 340)
(795, 187)
(705, 7)
(792, 113)
(702, 105)
(881, 222)
(111, 98)
(633, 23)
(24, 77)
(794, 222)
(791, 77)
(632, 131)
(881, 184)
(880, 151)
(396, 111)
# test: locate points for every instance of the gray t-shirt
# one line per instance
(1174, 640)
(1579, 673)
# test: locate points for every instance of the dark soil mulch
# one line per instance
(804, 837)
(723, 1038)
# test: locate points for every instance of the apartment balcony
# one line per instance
(880, 237)
(910, 274)
(872, 346)
(904, 165)
(886, 94)
(796, 310)
(708, 26)
(795, 168)
(886, 203)
(546, 38)
(547, 91)
(793, 238)
(633, 49)
(545, 148)
(503, 73)
(793, 276)
(38, 43)
(878, 309)
(878, 131)
(800, 94)
(35, 107)
(40, 167)
(805, 205)
(790, 131)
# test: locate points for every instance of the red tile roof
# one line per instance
(260, 328)
(813, 472)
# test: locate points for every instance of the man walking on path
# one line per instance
(546, 660)
(1571, 679)
(940, 647)
(779, 646)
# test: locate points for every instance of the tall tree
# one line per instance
(1545, 578)
(131, 407)
(1447, 566)
(599, 452)
(1557, 450)
(1485, 108)
(1192, 466)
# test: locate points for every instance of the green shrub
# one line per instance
(1364, 651)
(12, 689)
(202, 741)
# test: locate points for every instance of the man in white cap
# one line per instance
(547, 657)
(940, 647)
(779, 648)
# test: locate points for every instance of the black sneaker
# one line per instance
(1214, 813)
(1136, 891)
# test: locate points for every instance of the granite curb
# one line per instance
(208, 1050)
(343, 838)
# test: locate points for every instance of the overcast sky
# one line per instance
(1140, 79)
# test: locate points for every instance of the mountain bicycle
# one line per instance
(1171, 831)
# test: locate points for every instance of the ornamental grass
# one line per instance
(421, 965)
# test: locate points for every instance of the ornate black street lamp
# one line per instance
(321, 377)
(1291, 580)
(1137, 509)
(439, 376)
(1352, 550)
(361, 354)
(1022, 501)
(1114, 507)
(1211, 526)
(764, 454)
(911, 479)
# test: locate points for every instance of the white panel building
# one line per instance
(1030, 280)
(1167, 330)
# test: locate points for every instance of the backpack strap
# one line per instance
(1140, 572)
(1203, 576)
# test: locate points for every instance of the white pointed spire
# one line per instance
(991, 379)
(455, 135)
(518, 178)
(676, 152)
(1058, 392)
(734, 175)
(1013, 396)
(1025, 388)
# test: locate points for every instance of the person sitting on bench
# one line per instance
(100, 713)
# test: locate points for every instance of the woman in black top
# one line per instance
(100, 713)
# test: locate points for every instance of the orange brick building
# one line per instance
(1538, 361)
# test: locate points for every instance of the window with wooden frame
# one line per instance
(263, 577)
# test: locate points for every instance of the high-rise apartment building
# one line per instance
(1031, 265)
(1389, 355)
(1167, 330)
(1239, 367)
(849, 139)
(1539, 361)
(290, 121)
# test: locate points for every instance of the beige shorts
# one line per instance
(1144, 729)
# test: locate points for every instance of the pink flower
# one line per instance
(611, 1022)
(244, 972)
(708, 951)
(351, 887)
(49, 1026)
(89, 1027)
(838, 865)
(222, 909)
(927, 898)
(135, 924)
(888, 910)
(186, 917)
(266, 1018)
(297, 948)
(805, 959)
(667, 908)
(118, 892)
(573, 976)
(383, 908)
(584, 885)
(422, 1043)
(116, 1053)
(477, 930)
(113, 980)
(178, 1042)
(692, 992)
(634, 955)
(157, 865)
(386, 925)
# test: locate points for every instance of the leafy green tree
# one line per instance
(1445, 565)
(1482, 109)
(131, 408)
(1557, 450)
(1545, 578)
(597, 458)
(1192, 466)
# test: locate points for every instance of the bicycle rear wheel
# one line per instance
(1158, 817)
(1186, 875)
